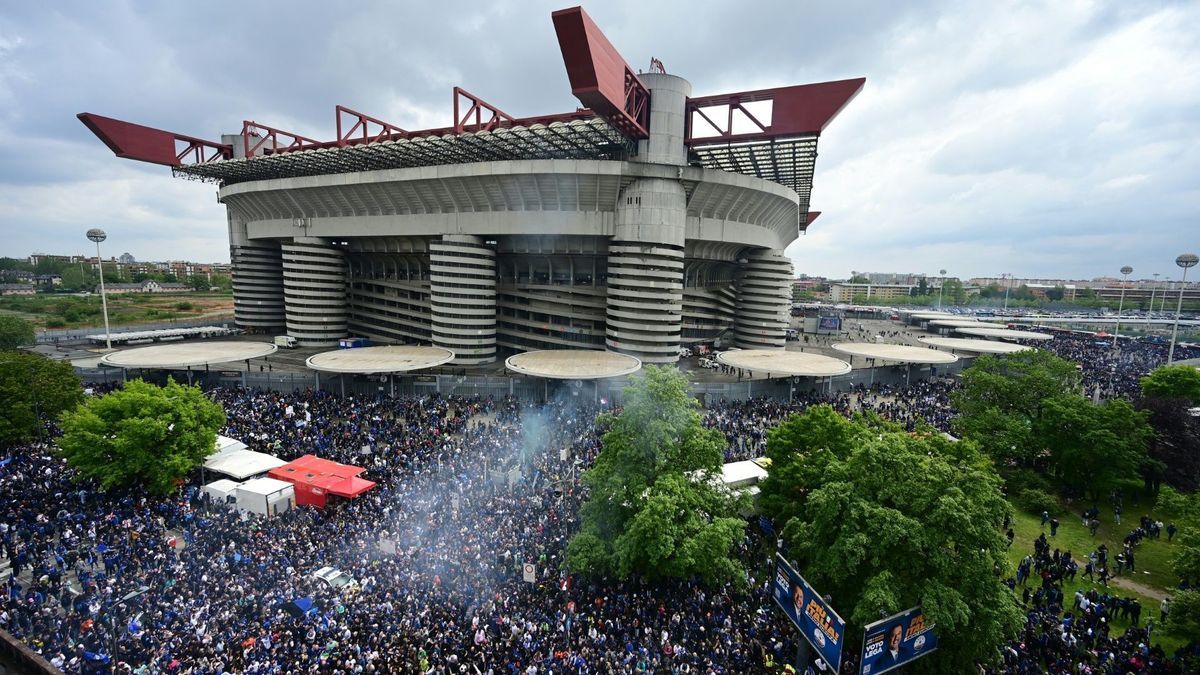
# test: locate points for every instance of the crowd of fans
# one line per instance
(469, 490)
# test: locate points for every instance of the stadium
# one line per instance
(646, 221)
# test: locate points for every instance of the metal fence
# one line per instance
(49, 337)
(528, 388)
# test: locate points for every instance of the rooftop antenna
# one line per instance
(656, 66)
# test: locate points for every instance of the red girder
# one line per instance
(600, 78)
(812, 215)
(478, 106)
(802, 110)
(250, 131)
(360, 131)
(146, 144)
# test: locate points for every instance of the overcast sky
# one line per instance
(1056, 140)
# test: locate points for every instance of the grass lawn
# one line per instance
(53, 310)
(1152, 557)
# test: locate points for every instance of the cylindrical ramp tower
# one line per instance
(644, 313)
(462, 285)
(257, 280)
(764, 298)
(314, 291)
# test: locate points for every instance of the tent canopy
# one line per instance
(324, 474)
(242, 464)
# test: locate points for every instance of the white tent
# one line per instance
(266, 496)
(219, 489)
(242, 464)
(226, 444)
(742, 474)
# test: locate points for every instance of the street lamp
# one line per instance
(112, 618)
(943, 273)
(1007, 289)
(97, 235)
(1185, 261)
(1125, 272)
(1152, 289)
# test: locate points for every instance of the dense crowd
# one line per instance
(469, 490)
(1109, 370)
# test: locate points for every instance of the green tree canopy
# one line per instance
(141, 435)
(1003, 397)
(33, 390)
(15, 332)
(1173, 382)
(657, 507)
(884, 520)
(1184, 510)
(1092, 447)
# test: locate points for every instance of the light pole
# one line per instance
(940, 286)
(1153, 288)
(112, 622)
(97, 235)
(1185, 261)
(1007, 288)
(1125, 272)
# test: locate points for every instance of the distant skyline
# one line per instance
(1044, 139)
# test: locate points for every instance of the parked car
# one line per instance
(336, 578)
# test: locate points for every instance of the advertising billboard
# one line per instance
(899, 639)
(815, 619)
(829, 324)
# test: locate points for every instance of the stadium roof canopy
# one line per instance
(182, 355)
(783, 363)
(956, 323)
(388, 359)
(1005, 333)
(891, 352)
(573, 364)
(976, 346)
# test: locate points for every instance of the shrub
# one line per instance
(1036, 501)
(55, 323)
(183, 306)
(1027, 479)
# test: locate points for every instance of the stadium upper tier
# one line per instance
(646, 221)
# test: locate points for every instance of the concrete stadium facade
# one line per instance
(640, 251)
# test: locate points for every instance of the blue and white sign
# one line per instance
(815, 619)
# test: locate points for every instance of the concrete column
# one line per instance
(257, 280)
(314, 291)
(645, 271)
(462, 284)
(764, 300)
(668, 94)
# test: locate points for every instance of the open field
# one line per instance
(1152, 581)
(75, 311)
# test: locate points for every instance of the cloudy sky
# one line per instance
(1058, 139)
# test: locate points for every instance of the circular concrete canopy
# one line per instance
(787, 364)
(926, 316)
(1006, 333)
(890, 352)
(955, 323)
(977, 346)
(180, 355)
(573, 364)
(384, 359)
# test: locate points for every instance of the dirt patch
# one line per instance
(1129, 584)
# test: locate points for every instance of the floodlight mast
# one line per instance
(1185, 261)
(97, 235)
(1125, 272)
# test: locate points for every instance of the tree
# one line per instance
(15, 332)
(953, 291)
(1184, 512)
(33, 390)
(1055, 293)
(884, 520)
(1174, 450)
(1092, 447)
(1169, 382)
(1003, 397)
(141, 435)
(657, 507)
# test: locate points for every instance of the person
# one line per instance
(1164, 609)
(798, 599)
(1171, 530)
(1054, 527)
(891, 656)
(1045, 518)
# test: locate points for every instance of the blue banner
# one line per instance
(829, 323)
(815, 619)
(899, 639)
